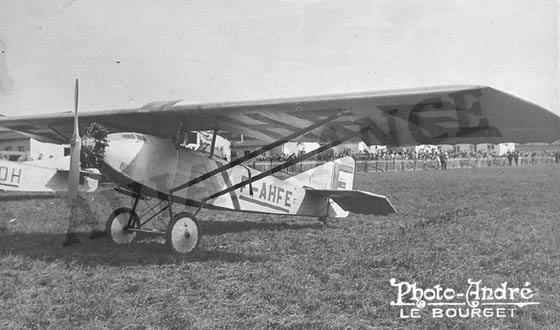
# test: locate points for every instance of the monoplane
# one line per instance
(143, 152)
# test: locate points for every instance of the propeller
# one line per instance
(75, 150)
(86, 151)
(73, 177)
(89, 155)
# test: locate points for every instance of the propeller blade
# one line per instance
(75, 148)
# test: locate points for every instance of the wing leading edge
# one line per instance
(435, 115)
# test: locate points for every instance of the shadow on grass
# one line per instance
(4, 197)
(48, 247)
(213, 228)
(147, 249)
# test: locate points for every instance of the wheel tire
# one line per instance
(183, 234)
(117, 224)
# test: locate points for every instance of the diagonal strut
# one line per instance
(288, 163)
(260, 151)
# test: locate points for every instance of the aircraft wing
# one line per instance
(435, 115)
(355, 201)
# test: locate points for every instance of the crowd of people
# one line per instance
(405, 154)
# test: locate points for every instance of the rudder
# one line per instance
(337, 175)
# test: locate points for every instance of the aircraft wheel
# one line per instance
(183, 233)
(118, 223)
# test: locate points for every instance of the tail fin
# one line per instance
(333, 182)
(335, 175)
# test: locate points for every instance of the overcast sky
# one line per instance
(128, 53)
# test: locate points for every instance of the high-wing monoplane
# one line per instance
(144, 157)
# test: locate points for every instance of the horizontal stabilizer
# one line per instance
(355, 201)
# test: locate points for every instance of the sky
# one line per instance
(129, 53)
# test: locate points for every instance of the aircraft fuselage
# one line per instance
(153, 166)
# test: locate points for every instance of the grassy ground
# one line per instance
(255, 271)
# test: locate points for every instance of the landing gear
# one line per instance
(183, 234)
(119, 224)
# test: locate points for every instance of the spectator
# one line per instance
(443, 160)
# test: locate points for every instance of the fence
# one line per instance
(394, 165)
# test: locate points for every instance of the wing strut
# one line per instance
(260, 151)
(288, 163)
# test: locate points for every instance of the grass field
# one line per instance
(256, 271)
